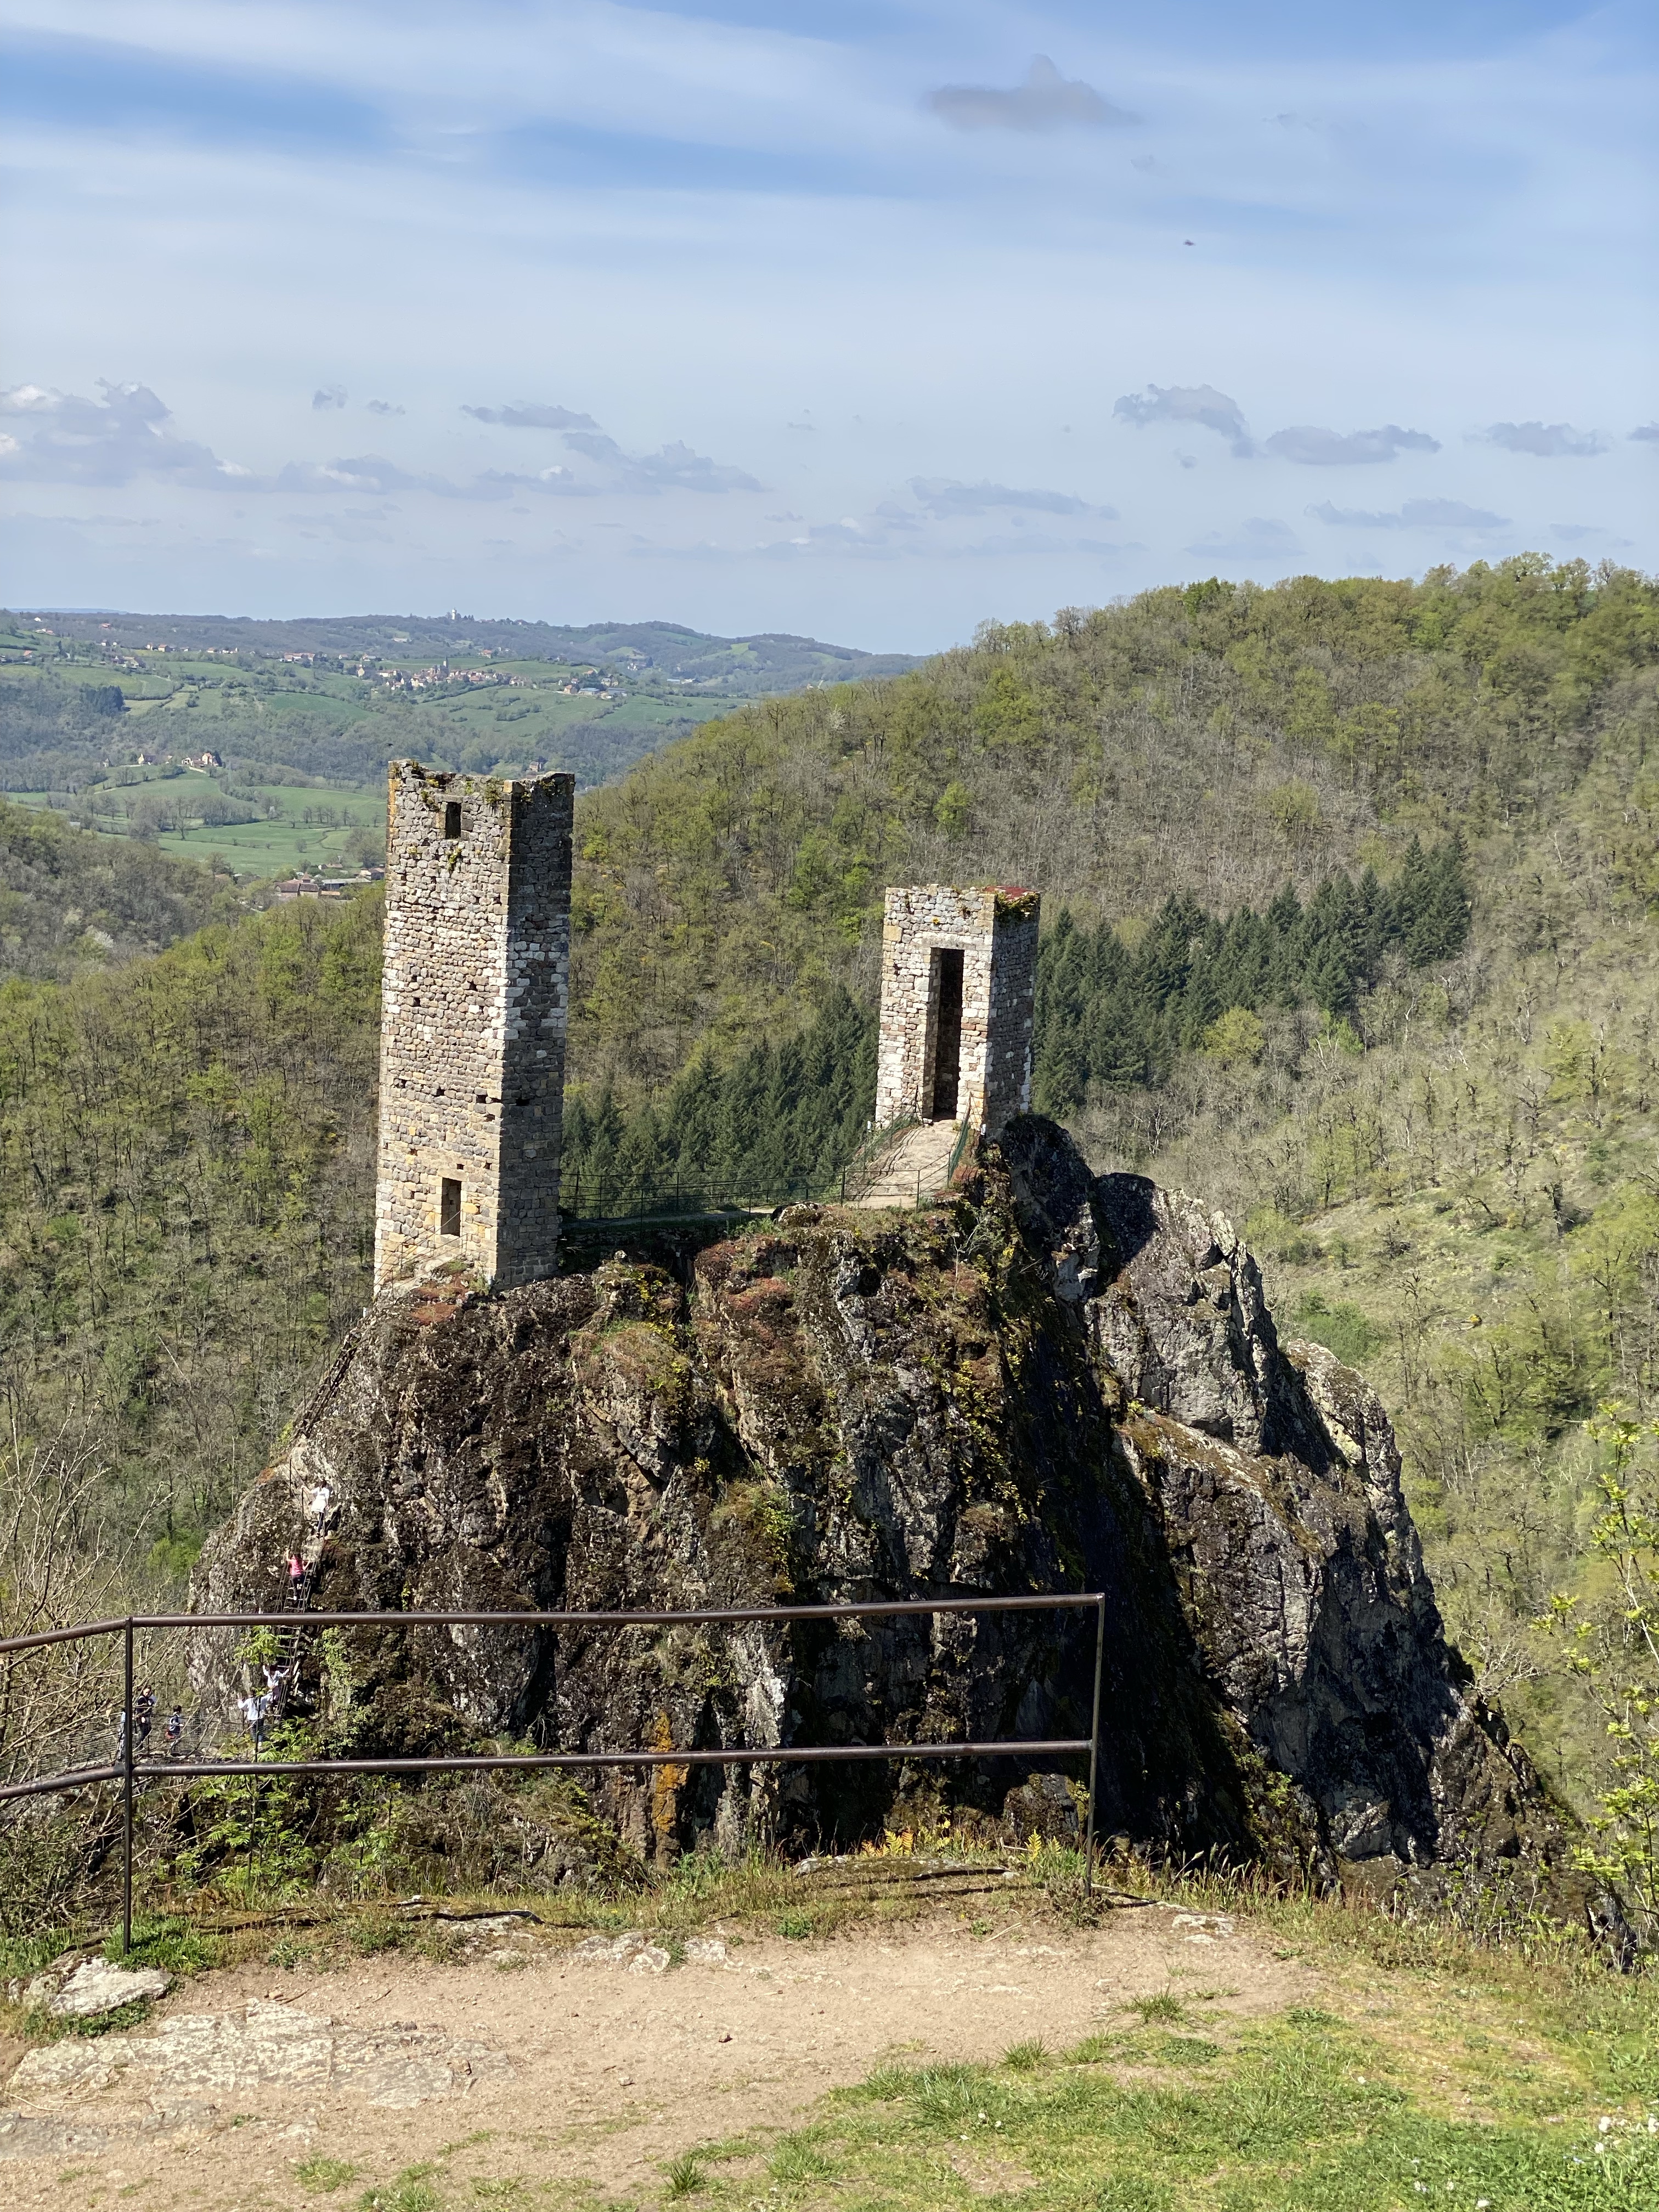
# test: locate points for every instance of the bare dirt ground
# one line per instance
(544, 2057)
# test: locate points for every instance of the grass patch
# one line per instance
(684, 2177)
(370, 1933)
(1026, 2057)
(325, 2175)
(412, 2191)
(1304, 2115)
(174, 1943)
(797, 2162)
(1163, 2005)
(42, 2026)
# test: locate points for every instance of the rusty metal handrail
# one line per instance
(127, 1770)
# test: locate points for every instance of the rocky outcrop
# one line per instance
(1046, 1382)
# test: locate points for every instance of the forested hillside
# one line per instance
(68, 899)
(1350, 896)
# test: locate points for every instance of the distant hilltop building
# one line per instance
(472, 1028)
(958, 982)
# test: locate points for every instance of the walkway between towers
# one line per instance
(917, 1165)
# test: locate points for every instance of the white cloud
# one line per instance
(1046, 101)
(675, 468)
(943, 497)
(1415, 514)
(1325, 449)
(1188, 403)
(532, 415)
(1547, 441)
(114, 439)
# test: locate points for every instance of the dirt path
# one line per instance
(548, 2062)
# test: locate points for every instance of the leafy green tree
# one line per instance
(1611, 1642)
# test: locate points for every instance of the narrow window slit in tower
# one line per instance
(451, 818)
(449, 1206)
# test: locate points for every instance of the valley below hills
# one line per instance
(260, 747)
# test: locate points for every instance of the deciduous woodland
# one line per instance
(1351, 926)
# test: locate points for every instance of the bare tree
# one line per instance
(58, 1565)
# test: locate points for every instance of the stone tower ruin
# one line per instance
(958, 980)
(472, 1025)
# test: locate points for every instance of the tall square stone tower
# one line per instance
(472, 1024)
(958, 980)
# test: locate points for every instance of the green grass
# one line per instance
(1302, 2114)
(1026, 2057)
(174, 1944)
(412, 2191)
(249, 850)
(326, 2174)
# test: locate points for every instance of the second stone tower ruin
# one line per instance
(958, 980)
(472, 1025)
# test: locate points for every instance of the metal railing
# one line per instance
(129, 1770)
(595, 1201)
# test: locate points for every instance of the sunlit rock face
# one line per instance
(1048, 1381)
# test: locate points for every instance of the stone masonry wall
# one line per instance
(996, 932)
(1013, 1007)
(472, 1025)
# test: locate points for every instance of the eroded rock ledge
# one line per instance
(1048, 1381)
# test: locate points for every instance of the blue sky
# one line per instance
(866, 320)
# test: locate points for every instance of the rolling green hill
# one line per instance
(261, 747)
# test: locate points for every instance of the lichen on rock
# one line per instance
(1046, 1382)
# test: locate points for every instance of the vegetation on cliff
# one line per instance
(1442, 1147)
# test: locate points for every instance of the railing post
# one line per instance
(1094, 1747)
(126, 1795)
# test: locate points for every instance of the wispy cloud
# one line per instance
(1189, 403)
(674, 468)
(327, 396)
(1046, 101)
(1257, 539)
(943, 497)
(382, 407)
(532, 415)
(358, 472)
(1548, 442)
(1329, 449)
(1415, 514)
(1646, 430)
(1588, 533)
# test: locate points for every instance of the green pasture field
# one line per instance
(254, 850)
(278, 722)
